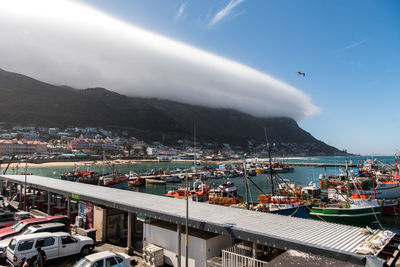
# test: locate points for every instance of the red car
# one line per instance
(17, 227)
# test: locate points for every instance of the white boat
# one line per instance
(385, 190)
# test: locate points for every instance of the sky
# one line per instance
(251, 51)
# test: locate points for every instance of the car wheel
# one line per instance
(85, 251)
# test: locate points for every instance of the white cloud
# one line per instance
(65, 42)
(181, 11)
(224, 12)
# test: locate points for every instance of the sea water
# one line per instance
(302, 175)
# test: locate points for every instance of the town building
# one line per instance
(22, 146)
(90, 144)
(53, 131)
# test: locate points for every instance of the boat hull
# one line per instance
(300, 212)
(123, 184)
(390, 207)
(347, 216)
(385, 191)
(137, 182)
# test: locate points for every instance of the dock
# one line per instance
(276, 231)
(322, 165)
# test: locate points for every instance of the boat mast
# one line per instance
(246, 185)
(347, 186)
(270, 162)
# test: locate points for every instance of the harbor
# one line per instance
(334, 241)
(216, 133)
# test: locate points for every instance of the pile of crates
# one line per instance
(153, 256)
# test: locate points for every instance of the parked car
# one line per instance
(104, 259)
(17, 227)
(9, 218)
(54, 245)
(33, 229)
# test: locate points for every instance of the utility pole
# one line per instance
(26, 170)
(187, 202)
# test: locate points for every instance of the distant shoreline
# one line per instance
(72, 163)
(99, 163)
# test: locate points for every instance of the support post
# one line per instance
(129, 235)
(254, 250)
(48, 203)
(68, 208)
(179, 247)
(134, 224)
(33, 200)
(20, 196)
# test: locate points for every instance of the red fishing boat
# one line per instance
(137, 181)
(199, 192)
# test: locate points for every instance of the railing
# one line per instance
(238, 256)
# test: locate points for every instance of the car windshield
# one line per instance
(25, 232)
(18, 226)
(82, 263)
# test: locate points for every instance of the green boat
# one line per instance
(360, 211)
(354, 210)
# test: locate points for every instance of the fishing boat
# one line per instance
(199, 192)
(283, 205)
(171, 179)
(363, 182)
(386, 189)
(137, 181)
(114, 180)
(276, 202)
(83, 176)
(385, 183)
(155, 181)
(277, 167)
(355, 209)
(225, 195)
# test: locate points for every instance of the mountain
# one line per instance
(24, 100)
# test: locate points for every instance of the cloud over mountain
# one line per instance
(65, 42)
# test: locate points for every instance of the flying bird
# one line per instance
(301, 73)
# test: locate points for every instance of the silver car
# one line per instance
(104, 259)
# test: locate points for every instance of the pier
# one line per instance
(283, 232)
(322, 165)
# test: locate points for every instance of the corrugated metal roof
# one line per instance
(334, 240)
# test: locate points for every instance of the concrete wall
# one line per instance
(200, 248)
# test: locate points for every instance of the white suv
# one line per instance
(54, 245)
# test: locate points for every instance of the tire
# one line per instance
(85, 251)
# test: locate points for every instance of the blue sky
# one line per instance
(349, 50)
